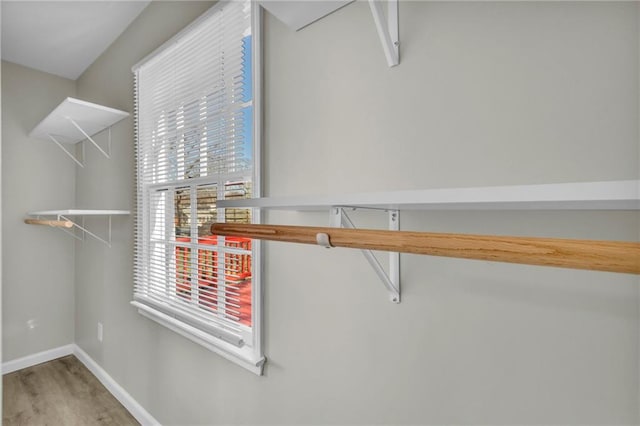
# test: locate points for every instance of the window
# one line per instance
(195, 145)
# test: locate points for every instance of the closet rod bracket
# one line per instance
(391, 279)
(62, 219)
(81, 226)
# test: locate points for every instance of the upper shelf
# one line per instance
(91, 118)
(610, 195)
(298, 15)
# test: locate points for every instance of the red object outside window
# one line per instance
(237, 277)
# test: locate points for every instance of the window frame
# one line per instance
(250, 357)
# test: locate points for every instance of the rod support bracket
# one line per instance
(391, 279)
(323, 240)
(69, 226)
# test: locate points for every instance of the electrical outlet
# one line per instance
(99, 332)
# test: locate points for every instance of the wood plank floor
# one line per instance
(59, 392)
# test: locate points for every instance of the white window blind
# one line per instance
(194, 146)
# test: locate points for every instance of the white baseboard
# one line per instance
(35, 359)
(112, 386)
(116, 390)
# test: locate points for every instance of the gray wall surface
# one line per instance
(105, 281)
(38, 262)
(486, 93)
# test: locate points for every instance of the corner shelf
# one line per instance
(74, 121)
(61, 219)
(71, 122)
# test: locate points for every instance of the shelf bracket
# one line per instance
(90, 139)
(67, 225)
(391, 281)
(85, 231)
(387, 29)
(66, 151)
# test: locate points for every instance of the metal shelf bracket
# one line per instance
(85, 231)
(80, 161)
(387, 29)
(391, 281)
(90, 139)
(81, 226)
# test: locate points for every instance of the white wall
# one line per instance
(486, 93)
(104, 275)
(38, 262)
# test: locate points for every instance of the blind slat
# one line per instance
(193, 139)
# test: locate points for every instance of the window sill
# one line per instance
(244, 357)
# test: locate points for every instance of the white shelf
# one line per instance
(63, 215)
(298, 15)
(71, 122)
(92, 118)
(75, 121)
(609, 195)
(75, 212)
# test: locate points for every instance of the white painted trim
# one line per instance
(38, 358)
(245, 357)
(116, 390)
(257, 298)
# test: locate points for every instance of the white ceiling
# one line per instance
(63, 37)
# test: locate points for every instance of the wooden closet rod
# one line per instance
(611, 256)
(56, 223)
